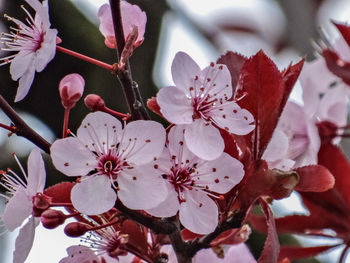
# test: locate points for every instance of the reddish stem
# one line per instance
(65, 123)
(12, 129)
(85, 58)
(116, 113)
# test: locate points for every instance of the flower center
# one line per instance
(116, 245)
(109, 165)
(181, 180)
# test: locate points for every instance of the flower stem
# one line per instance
(85, 58)
(22, 129)
(65, 122)
(117, 114)
(12, 129)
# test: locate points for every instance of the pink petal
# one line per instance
(168, 207)
(239, 253)
(176, 145)
(36, 173)
(17, 209)
(140, 182)
(24, 84)
(24, 240)
(199, 213)
(277, 147)
(71, 157)
(100, 131)
(74, 82)
(47, 50)
(203, 140)
(85, 198)
(221, 174)
(175, 106)
(184, 71)
(20, 64)
(106, 23)
(41, 10)
(79, 254)
(142, 142)
(217, 81)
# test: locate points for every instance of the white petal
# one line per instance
(184, 70)
(36, 173)
(141, 187)
(25, 83)
(20, 64)
(221, 174)
(47, 50)
(203, 140)
(94, 195)
(175, 106)
(199, 213)
(72, 158)
(41, 10)
(217, 81)
(79, 254)
(168, 207)
(17, 209)
(100, 131)
(177, 146)
(24, 241)
(142, 142)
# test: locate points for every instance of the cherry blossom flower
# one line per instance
(132, 16)
(71, 89)
(20, 204)
(191, 182)
(105, 155)
(35, 43)
(201, 101)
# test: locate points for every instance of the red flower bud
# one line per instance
(41, 202)
(52, 218)
(76, 229)
(94, 102)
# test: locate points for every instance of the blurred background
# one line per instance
(205, 29)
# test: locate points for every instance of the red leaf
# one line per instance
(302, 252)
(152, 104)
(262, 82)
(344, 30)
(230, 144)
(314, 178)
(234, 62)
(272, 247)
(137, 238)
(336, 65)
(60, 193)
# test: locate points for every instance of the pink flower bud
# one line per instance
(52, 218)
(71, 89)
(94, 102)
(132, 16)
(76, 229)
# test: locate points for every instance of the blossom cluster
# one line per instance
(140, 192)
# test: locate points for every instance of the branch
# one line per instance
(22, 129)
(130, 88)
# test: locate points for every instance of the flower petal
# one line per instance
(85, 199)
(141, 187)
(24, 240)
(175, 105)
(184, 71)
(24, 84)
(203, 140)
(20, 64)
(79, 254)
(100, 131)
(72, 158)
(17, 209)
(142, 142)
(176, 145)
(217, 79)
(47, 51)
(36, 173)
(42, 11)
(199, 213)
(221, 174)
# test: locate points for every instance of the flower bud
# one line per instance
(41, 202)
(52, 218)
(76, 229)
(71, 89)
(94, 102)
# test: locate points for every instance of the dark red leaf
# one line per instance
(261, 80)
(314, 178)
(230, 144)
(336, 65)
(344, 31)
(152, 104)
(302, 252)
(137, 238)
(272, 247)
(60, 193)
(234, 62)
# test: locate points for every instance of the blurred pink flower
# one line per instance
(104, 155)
(201, 101)
(191, 181)
(20, 204)
(132, 16)
(71, 89)
(35, 44)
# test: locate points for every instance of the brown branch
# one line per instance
(22, 129)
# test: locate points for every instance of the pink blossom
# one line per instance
(20, 204)
(110, 158)
(201, 101)
(71, 89)
(132, 16)
(191, 182)
(35, 43)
